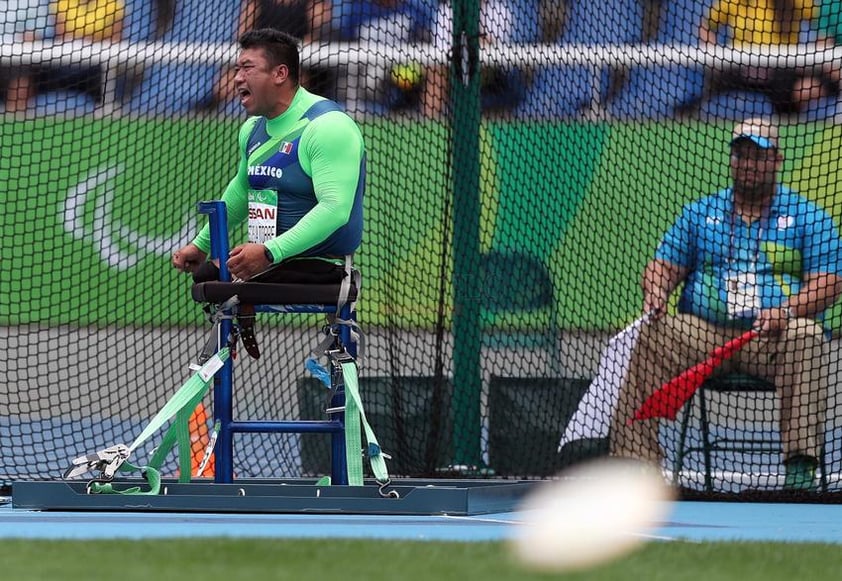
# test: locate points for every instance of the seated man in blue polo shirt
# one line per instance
(754, 255)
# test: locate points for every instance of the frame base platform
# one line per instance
(417, 497)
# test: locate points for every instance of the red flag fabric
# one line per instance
(671, 396)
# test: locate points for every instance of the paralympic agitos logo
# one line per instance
(89, 216)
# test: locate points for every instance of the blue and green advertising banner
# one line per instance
(92, 210)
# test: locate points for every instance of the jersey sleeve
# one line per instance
(235, 195)
(676, 246)
(822, 250)
(331, 154)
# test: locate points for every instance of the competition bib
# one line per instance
(263, 215)
(743, 299)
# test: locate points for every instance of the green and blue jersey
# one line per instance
(299, 182)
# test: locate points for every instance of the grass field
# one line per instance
(268, 559)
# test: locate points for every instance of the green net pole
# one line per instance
(465, 95)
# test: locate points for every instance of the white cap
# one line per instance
(761, 131)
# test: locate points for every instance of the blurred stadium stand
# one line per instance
(69, 103)
(613, 22)
(204, 21)
(139, 24)
(562, 91)
(181, 87)
(652, 92)
(617, 22)
(736, 105)
(544, 100)
(680, 21)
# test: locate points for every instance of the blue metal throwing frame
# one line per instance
(223, 381)
(224, 494)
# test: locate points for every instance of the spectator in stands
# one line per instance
(164, 16)
(502, 86)
(552, 16)
(23, 20)
(309, 171)
(762, 23)
(388, 23)
(76, 20)
(753, 255)
(308, 20)
(828, 25)
(652, 11)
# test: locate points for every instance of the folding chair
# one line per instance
(711, 443)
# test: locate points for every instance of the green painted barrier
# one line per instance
(93, 209)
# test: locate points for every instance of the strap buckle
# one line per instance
(339, 356)
(106, 461)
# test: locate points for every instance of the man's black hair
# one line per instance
(280, 48)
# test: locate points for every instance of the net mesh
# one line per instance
(516, 190)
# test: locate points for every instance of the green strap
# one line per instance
(353, 441)
(179, 433)
(198, 383)
(152, 476)
(185, 442)
(180, 405)
(354, 417)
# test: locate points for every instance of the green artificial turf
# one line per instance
(325, 559)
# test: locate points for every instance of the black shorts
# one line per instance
(299, 271)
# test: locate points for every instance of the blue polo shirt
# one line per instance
(795, 238)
